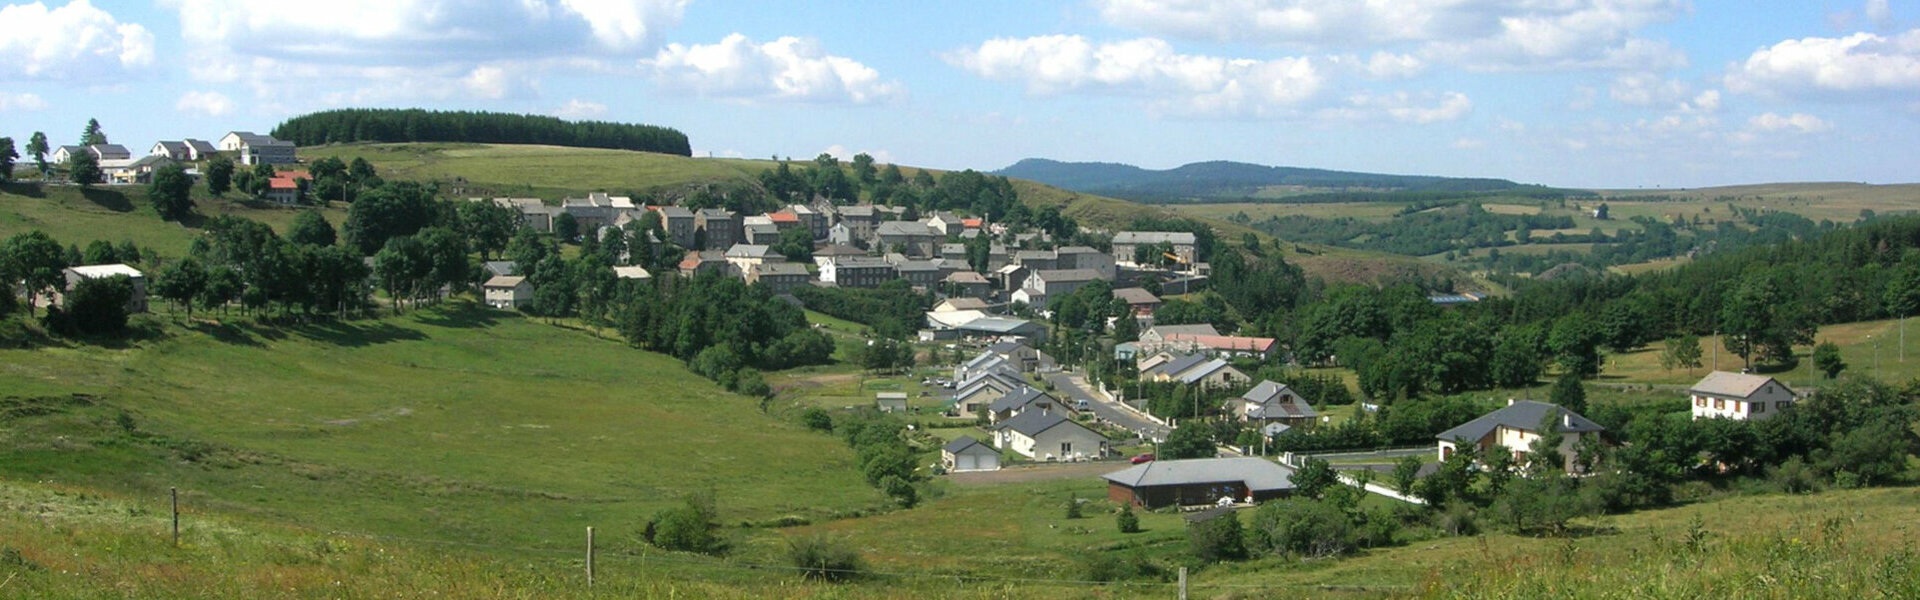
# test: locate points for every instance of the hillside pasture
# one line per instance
(457, 422)
(77, 216)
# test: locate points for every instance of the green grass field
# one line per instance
(1857, 343)
(117, 213)
(454, 423)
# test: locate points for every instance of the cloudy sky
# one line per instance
(1615, 93)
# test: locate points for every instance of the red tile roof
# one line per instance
(970, 223)
(282, 183)
(786, 216)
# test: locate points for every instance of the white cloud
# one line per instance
(1382, 65)
(212, 104)
(1403, 107)
(1706, 102)
(1481, 34)
(578, 109)
(424, 31)
(1646, 89)
(1794, 123)
(1862, 64)
(1146, 67)
(23, 102)
(73, 42)
(785, 69)
(1469, 144)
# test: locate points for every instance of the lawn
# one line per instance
(77, 216)
(456, 423)
(1857, 343)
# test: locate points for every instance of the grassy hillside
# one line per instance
(117, 213)
(454, 423)
(537, 171)
(62, 542)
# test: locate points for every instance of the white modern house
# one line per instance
(1516, 426)
(1723, 395)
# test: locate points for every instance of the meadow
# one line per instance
(75, 215)
(456, 423)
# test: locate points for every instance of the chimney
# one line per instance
(1566, 420)
(1509, 402)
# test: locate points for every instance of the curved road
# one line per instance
(1073, 387)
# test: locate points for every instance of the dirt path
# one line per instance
(1039, 472)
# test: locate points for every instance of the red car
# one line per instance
(1141, 458)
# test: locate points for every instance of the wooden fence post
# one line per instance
(173, 493)
(589, 557)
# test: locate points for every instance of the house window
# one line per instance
(1759, 407)
(1719, 404)
(1699, 401)
(1781, 405)
(1066, 448)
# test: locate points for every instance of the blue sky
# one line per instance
(1591, 93)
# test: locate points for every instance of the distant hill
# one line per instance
(1239, 181)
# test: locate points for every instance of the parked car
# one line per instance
(1143, 458)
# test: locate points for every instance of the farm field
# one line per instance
(1857, 347)
(118, 213)
(452, 423)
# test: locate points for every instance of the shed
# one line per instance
(1199, 481)
(967, 454)
(890, 401)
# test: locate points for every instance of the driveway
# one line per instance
(1072, 387)
(1026, 472)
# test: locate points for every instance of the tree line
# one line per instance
(416, 125)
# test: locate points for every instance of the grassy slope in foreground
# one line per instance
(1837, 544)
(456, 423)
(117, 213)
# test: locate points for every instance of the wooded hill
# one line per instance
(416, 125)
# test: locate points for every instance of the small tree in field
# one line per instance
(1126, 520)
(1826, 357)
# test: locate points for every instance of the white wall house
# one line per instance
(507, 291)
(1723, 395)
(1516, 426)
(1049, 436)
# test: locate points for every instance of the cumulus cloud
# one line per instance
(422, 31)
(22, 102)
(785, 69)
(212, 104)
(1879, 12)
(1147, 67)
(1794, 123)
(1862, 64)
(1481, 34)
(76, 42)
(577, 109)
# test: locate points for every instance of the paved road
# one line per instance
(1071, 387)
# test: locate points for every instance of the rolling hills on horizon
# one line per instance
(1223, 179)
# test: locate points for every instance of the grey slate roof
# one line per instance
(998, 325)
(1067, 275)
(500, 267)
(1200, 329)
(1275, 405)
(1732, 385)
(1205, 369)
(780, 268)
(1032, 423)
(1178, 365)
(1134, 295)
(1153, 237)
(963, 444)
(1258, 474)
(1525, 415)
(1018, 399)
(909, 228)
